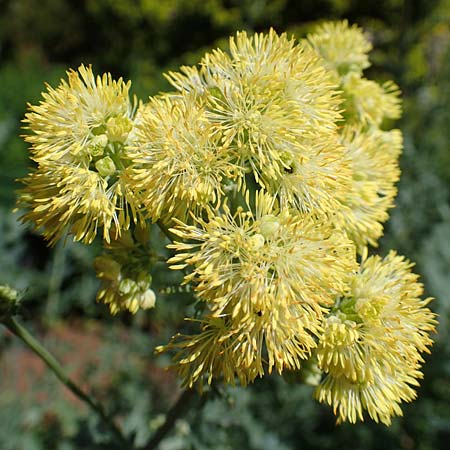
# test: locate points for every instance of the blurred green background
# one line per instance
(113, 357)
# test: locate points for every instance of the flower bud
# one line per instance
(144, 280)
(118, 128)
(97, 145)
(8, 301)
(107, 267)
(147, 299)
(269, 226)
(127, 286)
(105, 166)
(257, 241)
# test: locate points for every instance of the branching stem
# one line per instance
(177, 410)
(56, 368)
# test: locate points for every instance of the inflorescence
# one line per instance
(272, 168)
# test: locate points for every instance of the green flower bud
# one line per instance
(144, 280)
(269, 226)
(127, 286)
(105, 166)
(257, 241)
(97, 145)
(107, 268)
(8, 301)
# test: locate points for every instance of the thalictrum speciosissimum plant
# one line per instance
(271, 170)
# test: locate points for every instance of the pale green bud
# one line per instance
(269, 226)
(147, 299)
(287, 159)
(257, 241)
(367, 309)
(8, 301)
(97, 145)
(126, 286)
(144, 280)
(105, 166)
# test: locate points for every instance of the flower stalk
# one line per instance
(18, 330)
(175, 412)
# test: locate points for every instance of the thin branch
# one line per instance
(56, 368)
(163, 227)
(177, 410)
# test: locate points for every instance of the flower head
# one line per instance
(268, 99)
(244, 259)
(217, 352)
(344, 51)
(59, 198)
(71, 123)
(373, 158)
(367, 103)
(373, 340)
(78, 137)
(269, 274)
(179, 164)
(344, 48)
(318, 181)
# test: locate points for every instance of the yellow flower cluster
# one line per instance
(78, 140)
(273, 107)
(271, 167)
(250, 269)
(179, 164)
(372, 341)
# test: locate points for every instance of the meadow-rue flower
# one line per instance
(178, 164)
(58, 198)
(368, 103)
(373, 340)
(78, 136)
(373, 157)
(66, 124)
(318, 181)
(267, 273)
(273, 104)
(344, 51)
(344, 48)
(243, 258)
(218, 352)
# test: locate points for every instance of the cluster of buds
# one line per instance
(9, 300)
(124, 270)
(272, 169)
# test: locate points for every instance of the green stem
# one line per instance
(56, 368)
(163, 227)
(172, 416)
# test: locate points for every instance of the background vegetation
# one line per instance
(113, 357)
